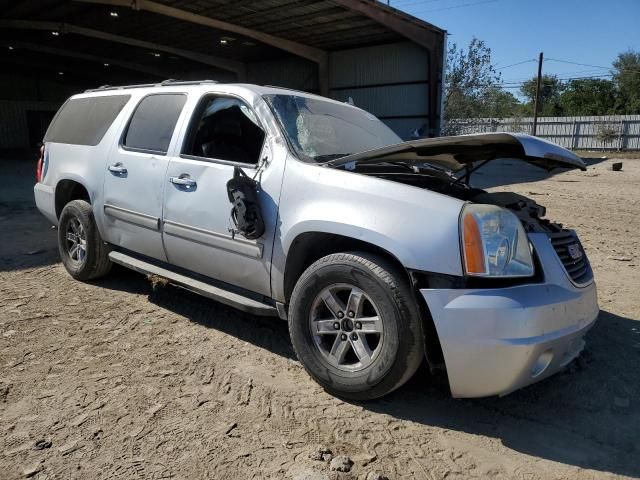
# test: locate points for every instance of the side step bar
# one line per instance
(232, 299)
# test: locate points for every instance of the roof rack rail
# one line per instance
(284, 88)
(164, 83)
(119, 87)
(173, 81)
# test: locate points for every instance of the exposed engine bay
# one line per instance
(530, 213)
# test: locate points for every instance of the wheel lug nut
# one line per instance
(358, 325)
(343, 337)
(351, 314)
(336, 326)
(354, 336)
(340, 314)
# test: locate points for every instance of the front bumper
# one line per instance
(495, 341)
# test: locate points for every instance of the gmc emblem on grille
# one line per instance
(575, 252)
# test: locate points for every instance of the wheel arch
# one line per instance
(67, 190)
(308, 247)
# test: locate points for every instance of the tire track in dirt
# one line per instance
(128, 382)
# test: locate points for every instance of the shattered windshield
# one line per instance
(320, 131)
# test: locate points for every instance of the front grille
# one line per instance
(567, 246)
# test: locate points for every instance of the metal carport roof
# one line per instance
(148, 36)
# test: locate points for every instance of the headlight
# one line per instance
(494, 244)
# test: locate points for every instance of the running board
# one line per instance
(232, 299)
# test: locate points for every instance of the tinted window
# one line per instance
(224, 128)
(84, 121)
(153, 122)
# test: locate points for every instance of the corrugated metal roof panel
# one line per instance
(397, 62)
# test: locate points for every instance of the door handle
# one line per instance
(183, 181)
(117, 168)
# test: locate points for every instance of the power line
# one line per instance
(593, 66)
(454, 7)
(516, 64)
(514, 85)
(576, 63)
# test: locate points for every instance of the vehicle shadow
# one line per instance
(269, 333)
(586, 416)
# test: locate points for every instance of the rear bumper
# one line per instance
(45, 201)
(496, 341)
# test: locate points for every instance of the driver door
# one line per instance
(224, 132)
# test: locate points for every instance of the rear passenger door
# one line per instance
(134, 180)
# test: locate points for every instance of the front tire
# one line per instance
(355, 325)
(83, 253)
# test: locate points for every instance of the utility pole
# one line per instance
(537, 99)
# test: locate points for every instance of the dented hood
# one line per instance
(454, 153)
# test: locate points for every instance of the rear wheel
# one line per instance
(355, 326)
(83, 253)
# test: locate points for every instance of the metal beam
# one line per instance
(419, 32)
(299, 49)
(136, 67)
(225, 64)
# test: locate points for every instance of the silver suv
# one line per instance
(378, 252)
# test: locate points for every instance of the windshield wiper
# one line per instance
(328, 157)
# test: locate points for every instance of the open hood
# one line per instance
(454, 153)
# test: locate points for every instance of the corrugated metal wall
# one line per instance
(587, 132)
(291, 72)
(390, 81)
(14, 131)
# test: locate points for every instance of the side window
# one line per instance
(153, 122)
(224, 128)
(84, 121)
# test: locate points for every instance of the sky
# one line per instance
(590, 32)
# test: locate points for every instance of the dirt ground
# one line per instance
(114, 380)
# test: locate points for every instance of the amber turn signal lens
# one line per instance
(473, 251)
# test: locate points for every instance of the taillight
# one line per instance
(39, 165)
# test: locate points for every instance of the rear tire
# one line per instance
(83, 253)
(357, 353)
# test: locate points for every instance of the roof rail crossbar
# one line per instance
(173, 81)
(119, 87)
(164, 83)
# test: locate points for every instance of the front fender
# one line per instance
(417, 226)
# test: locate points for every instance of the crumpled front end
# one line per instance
(498, 340)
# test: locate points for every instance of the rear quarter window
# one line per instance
(84, 121)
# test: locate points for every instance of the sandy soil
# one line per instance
(113, 380)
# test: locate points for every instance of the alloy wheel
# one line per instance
(76, 241)
(346, 326)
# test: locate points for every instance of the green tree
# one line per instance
(499, 103)
(626, 76)
(589, 96)
(550, 90)
(470, 79)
